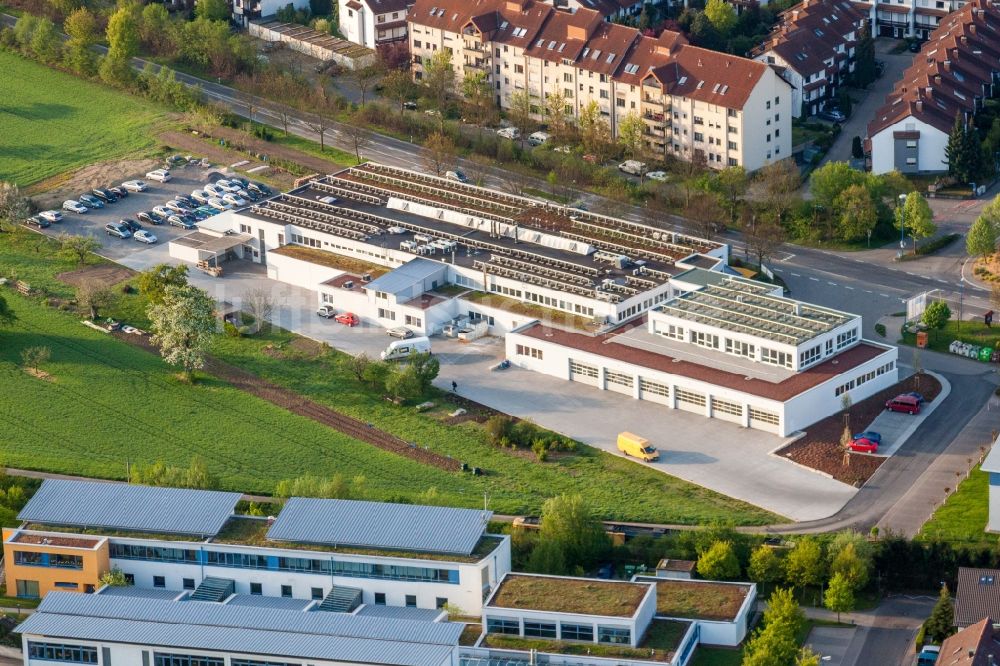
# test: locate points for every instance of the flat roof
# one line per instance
(122, 506)
(740, 305)
(402, 278)
(602, 345)
(698, 599)
(260, 601)
(563, 594)
(223, 628)
(355, 523)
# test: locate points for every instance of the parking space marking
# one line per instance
(814, 279)
(832, 284)
(885, 295)
(796, 275)
(848, 287)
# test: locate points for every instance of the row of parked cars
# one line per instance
(869, 441)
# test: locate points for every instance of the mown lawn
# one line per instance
(962, 518)
(972, 331)
(51, 122)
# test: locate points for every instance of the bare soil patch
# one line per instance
(107, 274)
(820, 448)
(40, 374)
(306, 347)
(52, 192)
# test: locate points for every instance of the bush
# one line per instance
(919, 642)
(937, 244)
(231, 329)
(880, 329)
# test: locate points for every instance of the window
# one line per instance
(440, 602)
(604, 94)
(731, 145)
(29, 559)
(236, 560)
(690, 397)
(647, 386)
(413, 321)
(529, 351)
(726, 407)
(739, 348)
(616, 635)
(768, 104)
(286, 591)
(121, 551)
(77, 654)
(159, 581)
(775, 357)
(911, 161)
(380, 598)
(703, 339)
(539, 629)
(810, 355)
(763, 417)
(188, 583)
(698, 136)
(731, 113)
(394, 572)
(386, 314)
(829, 347)
(244, 229)
(519, 69)
(577, 632)
(411, 601)
(251, 662)
(316, 593)
(769, 136)
(255, 589)
(161, 659)
(499, 625)
(27, 589)
(846, 338)
(303, 564)
(576, 368)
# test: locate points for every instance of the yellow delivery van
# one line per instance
(637, 447)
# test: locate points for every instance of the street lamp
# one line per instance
(902, 224)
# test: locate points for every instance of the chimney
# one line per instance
(937, 79)
(947, 65)
(972, 28)
(699, 62)
(920, 105)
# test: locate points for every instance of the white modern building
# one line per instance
(245, 11)
(373, 22)
(991, 465)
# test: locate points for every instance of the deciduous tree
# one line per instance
(630, 132)
(936, 315)
(719, 562)
(183, 325)
(858, 214)
(14, 207)
(722, 16)
(83, 31)
(76, 248)
(916, 217)
(357, 133)
(981, 240)
(398, 87)
(765, 565)
(154, 281)
(32, 357)
(439, 152)
(570, 522)
(212, 10)
(839, 595)
(259, 304)
(520, 114)
(804, 564)
(439, 79)
(366, 77)
(93, 295)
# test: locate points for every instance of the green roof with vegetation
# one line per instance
(659, 644)
(699, 600)
(584, 596)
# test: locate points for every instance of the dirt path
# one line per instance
(297, 404)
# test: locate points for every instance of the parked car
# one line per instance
(833, 115)
(658, 175)
(219, 204)
(207, 210)
(235, 199)
(163, 211)
(634, 167)
(149, 217)
(91, 201)
(869, 434)
(74, 206)
(928, 655)
(36, 221)
(347, 318)
(511, 133)
(159, 175)
(228, 185)
(864, 445)
(177, 206)
(326, 311)
(144, 236)
(919, 397)
(201, 196)
(107, 196)
(214, 190)
(410, 106)
(131, 224)
(178, 221)
(118, 191)
(185, 199)
(135, 185)
(259, 188)
(198, 214)
(538, 138)
(400, 332)
(456, 175)
(51, 216)
(119, 230)
(903, 403)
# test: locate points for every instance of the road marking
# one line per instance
(814, 279)
(795, 275)
(846, 287)
(779, 270)
(913, 274)
(885, 295)
(832, 284)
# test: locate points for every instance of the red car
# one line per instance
(903, 403)
(864, 445)
(347, 318)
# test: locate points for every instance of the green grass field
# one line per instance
(51, 122)
(962, 518)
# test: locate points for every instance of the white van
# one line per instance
(537, 138)
(403, 348)
(634, 167)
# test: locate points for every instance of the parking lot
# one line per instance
(183, 180)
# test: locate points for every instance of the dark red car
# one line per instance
(347, 318)
(903, 403)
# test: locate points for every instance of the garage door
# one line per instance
(690, 401)
(654, 391)
(764, 420)
(618, 382)
(726, 410)
(582, 372)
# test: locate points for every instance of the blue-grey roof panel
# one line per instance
(258, 601)
(121, 506)
(402, 278)
(141, 592)
(399, 612)
(409, 527)
(397, 651)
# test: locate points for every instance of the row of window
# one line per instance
(30, 559)
(569, 632)
(167, 659)
(867, 377)
(529, 351)
(75, 654)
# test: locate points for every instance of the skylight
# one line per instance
(682, 80)
(701, 84)
(631, 68)
(715, 88)
(504, 25)
(552, 45)
(611, 58)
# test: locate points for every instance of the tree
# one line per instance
(864, 58)
(595, 135)
(93, 295)
(804, 564)
(14, 208)
(568, 521)
(123, 44)
(704, 212)
(828, 181)
(520, 114)
(82, 28)
(781, 180)
(155, 28)
(426, 369)
(398, 87)
(439, 79)
(850, 553)
(941, 624)
(630, 132)
(403, 383)
(183, 325)
(357, 133)
(357, 365)
(212, 10)
(916, 216)
(858, 214)
(365, 77)
(936, 315)
(722, 16)
(556, 117)
(775, 644)
(24, 29)
(477, 95)
(153, 282)
(76, 248)
(7, 316)
(839, 596)
(956, 153)
(765, 565)
(548, 558)
(806, 657)
(439, 152)
(981, 240)
(732, 184)
(258, 303)
(45, 41)
(783, 610)
(762, 236)
(32, 357)
(114, 577)
(719, 562)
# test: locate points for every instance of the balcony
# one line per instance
(657, 120)
(473, 48)
(478, 64)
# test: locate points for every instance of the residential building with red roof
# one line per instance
(373, 22)
(696, 104)
(813, 44)
(906, 18)
(951, 77)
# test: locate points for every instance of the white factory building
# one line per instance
(622, 306)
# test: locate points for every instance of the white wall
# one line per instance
(297, 272)
(931, 146)
(756, 150)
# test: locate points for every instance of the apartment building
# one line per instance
(373, 22)
(813, 45)
(906, 18)
(953, 75)
(697, 104)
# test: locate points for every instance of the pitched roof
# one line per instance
(811, 33)
(975, 645)
(121, 506)
(712, 77)
(360, 524)
(385, 6)
(400, 279)
(977, 596)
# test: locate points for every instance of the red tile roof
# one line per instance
(976, 645)
(384, 6)
(811, 32)
(781, 391)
